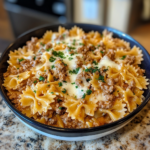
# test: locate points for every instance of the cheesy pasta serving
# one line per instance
(73, 79)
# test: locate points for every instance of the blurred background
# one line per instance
(130, 16)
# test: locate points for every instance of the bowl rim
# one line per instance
(74, 130)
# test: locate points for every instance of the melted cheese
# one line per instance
(106, 62)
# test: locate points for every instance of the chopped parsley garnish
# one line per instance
(44, 70)
(74, 71)
(70, 58)
(83, 95)
(105, 70)
(60, 108)
(65, 64)
(94, 62)
(81, 44)
(72, 54)
(101, 78)
(123, 57)
(48, 85)
(102, 52)
(64, 35)
(76, 87)
(52, 59)
(34, 58)
(52, 66)
(92, 70)
(74, 42)
(18, 77)
(71, 47)
(133, 93)
(65, 81)
(34, 91)
(17, 68)
(59, 100)
(98, 46)
(64, 90)
(47, 81)
(58, 54)
(117, 91)
(82, 90)
(88, 80)
(35, 81)
(73, 83)
(48, 49)
(88, 92)
(20, 59)
(42, 43)
(41, 78)
(60, 84)
(52, 92)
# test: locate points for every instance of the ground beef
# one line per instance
(14, 95)
(31, 45)
(61, 70)
(105, 104)
(48, 45)
(52, 121)
(79, 81)
(26, 64)
(111, 54)
(129, 59)
(85, 49)
(79, 62)
(107, 89)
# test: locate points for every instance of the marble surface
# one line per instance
(14, 135)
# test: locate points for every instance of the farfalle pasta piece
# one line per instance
(47, 36)
(109, 44)
(94, 82)
(12, 81)
(22, 53)
(96, 56)
(77, 109)
(116, 112)
(131, 100)
(59, 47)
(135, 51)
(39, 99)
(61, 30)
(129, 74)
(76, 31)
(119, 43)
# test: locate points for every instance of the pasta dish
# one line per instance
(74, 79)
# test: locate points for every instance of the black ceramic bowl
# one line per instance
(63, 133)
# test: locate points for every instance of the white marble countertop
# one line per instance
(14, 135)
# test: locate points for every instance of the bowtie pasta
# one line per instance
(73, 79)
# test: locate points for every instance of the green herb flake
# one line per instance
(34, 91)
(48, 49)
(59, 100)
(102, 52)
(81, 44)
(117, 91)
(44, 70)
(34, 58)
(64, 90)
(17, 68)
(65, 81)
(74, 42)
(123, 57)
(88, 80)
(98, 46)
(101, 78)
(83, 96)
(58, 54)
(105, 70)
(52, 66)
(18, 77)
(64, 35)
(70, 58)
(52, 92)
(72, 54)
(20, 60)
(82, 90)
(42, 44)
(35, 81)
(133, 93)
(71, 47)
(60, 84)
(48, 85)
(74, 71)
(94, 62)
(73, 83)
(88, 92)
(52, 59)
(41, 78)
(76, 87)
(60, 108)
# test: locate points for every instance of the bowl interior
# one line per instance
(38, 32)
